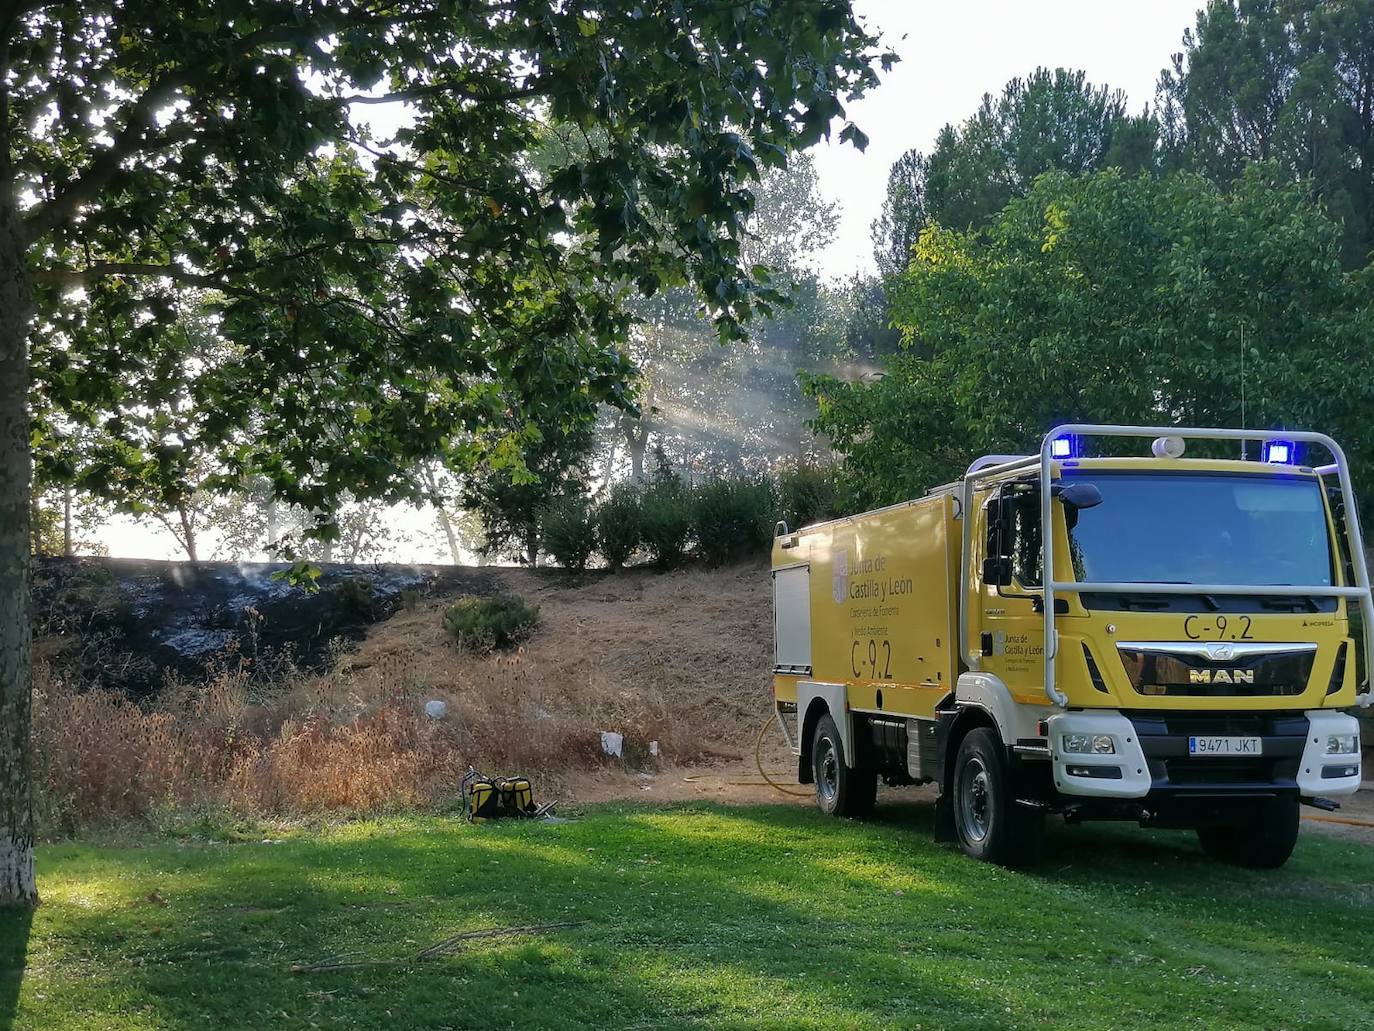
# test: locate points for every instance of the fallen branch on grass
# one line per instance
(337, 963)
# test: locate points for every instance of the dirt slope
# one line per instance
(683, 659)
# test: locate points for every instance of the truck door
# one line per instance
(1012, 638)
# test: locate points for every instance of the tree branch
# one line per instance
(131, 140)
(416, 92)
(66, 276)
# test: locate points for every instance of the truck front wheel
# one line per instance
(990, 823)
(841, 790)
(1263, 844)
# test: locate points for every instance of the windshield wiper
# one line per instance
(1290, 603)
(1144, 602)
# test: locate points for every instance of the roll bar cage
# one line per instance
(993, 466)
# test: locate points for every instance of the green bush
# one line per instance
(666, 518)
(356, 598)
(500, 621)
(619, 525)
(733, 519)
(568, 531)
(809, 494)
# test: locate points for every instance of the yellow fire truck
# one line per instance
(1179, 649)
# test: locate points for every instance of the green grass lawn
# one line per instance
(691, 916)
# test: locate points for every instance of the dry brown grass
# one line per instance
(681, 659)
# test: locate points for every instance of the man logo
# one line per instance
(1221, 676)
(839, 580)
(1220, 652)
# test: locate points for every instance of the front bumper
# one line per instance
(1151, 755)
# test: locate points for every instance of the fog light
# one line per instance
(1084, 744)
(1342, 744)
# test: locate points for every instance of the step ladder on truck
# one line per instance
(1183, 648)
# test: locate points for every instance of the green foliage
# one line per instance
(734, 518)
(619, 525)
(809, 494)
(508, 502)
(269, 292)
(498, 622)
(1108, 298)
(568, 530)
(666, 517)
(356, 598)
(1048, 121)
(1268, 80)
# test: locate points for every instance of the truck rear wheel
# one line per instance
(841, 790)
(1263, 844)
(989, 822)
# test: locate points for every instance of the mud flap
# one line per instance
(944, 818)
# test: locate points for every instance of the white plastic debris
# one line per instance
(653, 748)
(612, 743)
(435, 708)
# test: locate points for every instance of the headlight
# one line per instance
(1088, 744)
(1342, 744)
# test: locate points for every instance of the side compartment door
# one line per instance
(792, 621)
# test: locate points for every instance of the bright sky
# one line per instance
(953, 51)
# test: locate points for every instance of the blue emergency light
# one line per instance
(1279, 452)
(1064, 447)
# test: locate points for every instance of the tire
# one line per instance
(1265, 843)
(841, 790)
(988, 821)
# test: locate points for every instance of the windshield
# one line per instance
(1202, 528)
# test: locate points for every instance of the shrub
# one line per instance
(733, 519)
(568, 531)
(808, 494)
(498, 622)
(356, 598)
(666, 518)
(619, 524)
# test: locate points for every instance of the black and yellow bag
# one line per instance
(491, 798)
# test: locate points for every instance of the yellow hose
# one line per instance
(1349, 821)
(758, 760)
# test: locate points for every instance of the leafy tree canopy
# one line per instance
(388, 298)
(1289, 81)
(1113, 298)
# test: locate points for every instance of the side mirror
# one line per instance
(1078, 495)
(997, 571)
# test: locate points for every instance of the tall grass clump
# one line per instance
(567, 528)
(495, 623)
(619, 525)
(734, 518)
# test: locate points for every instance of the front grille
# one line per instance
(1220, 690)
(1219, 771)
(1185, 670)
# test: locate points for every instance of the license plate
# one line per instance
(1225, 746)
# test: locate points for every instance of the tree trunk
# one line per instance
(188, 531)
(17, 885)
(67, 548)
(441, 514)
(271, 528)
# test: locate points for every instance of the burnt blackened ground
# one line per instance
(127, 624)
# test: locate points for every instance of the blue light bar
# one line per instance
(1279, 452)
(1064, 447)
